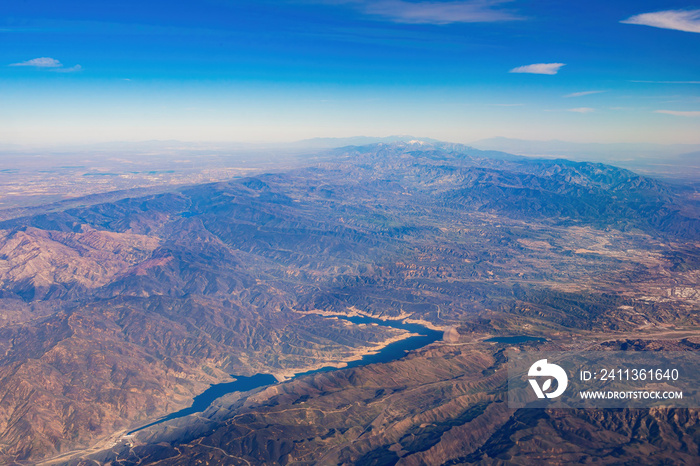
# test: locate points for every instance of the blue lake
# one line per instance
(389, 353)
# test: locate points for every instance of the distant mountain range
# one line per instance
(660, 160)
(568, 149)
(329, 143)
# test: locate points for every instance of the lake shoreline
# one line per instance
(416, 336)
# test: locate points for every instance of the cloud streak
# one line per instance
(72, 69)
(581, 110)
(41, 62)
(581, 94)
(678, 20)
(49, 63)
(463, 11)
(538, 68)
(679, 113)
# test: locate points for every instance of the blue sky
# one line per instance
(220, 70)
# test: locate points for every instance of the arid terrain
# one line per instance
(117, 311)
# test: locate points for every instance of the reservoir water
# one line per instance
(389, 353)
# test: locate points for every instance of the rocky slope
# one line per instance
(443, 405)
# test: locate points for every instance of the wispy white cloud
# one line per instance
(679, 113)
(581, 94)
(508, 105)
(50, 63)
(679, 20)
(72, 69)
(456, 11)
(538, 68)
(42, 62)
(581, 110)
